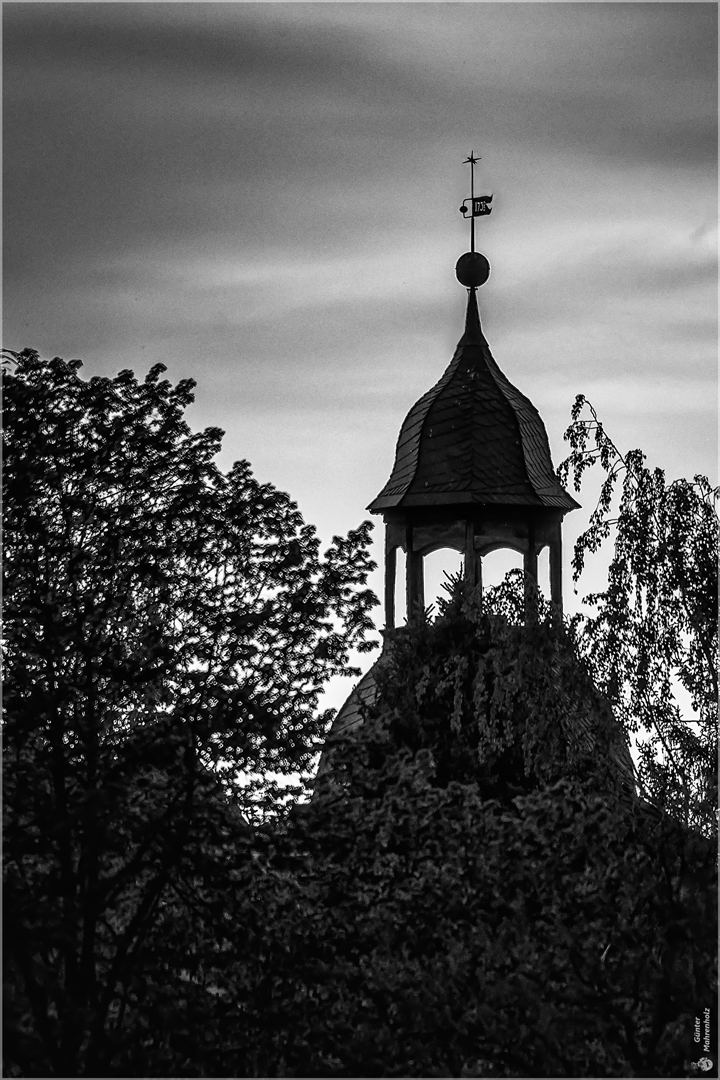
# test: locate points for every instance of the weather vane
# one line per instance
(479, 205)
(473, 269)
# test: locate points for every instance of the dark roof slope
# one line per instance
(351, 718)
(473, 438)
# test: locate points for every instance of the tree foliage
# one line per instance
(656, 624)
(499, 703)
(436, 912)
(485, 896)
(168, 630)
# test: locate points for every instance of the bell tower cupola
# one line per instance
(472, 467)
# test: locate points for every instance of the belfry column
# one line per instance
(415, 578)
(530, 570)
(556, 569)
(473, 563)
(390, 573)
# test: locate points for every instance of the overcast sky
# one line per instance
(265, 197)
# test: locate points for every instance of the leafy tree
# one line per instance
(472, 891)
(168, 630)
(655, 630)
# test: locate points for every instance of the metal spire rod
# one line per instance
(473, 268)
(471, 161)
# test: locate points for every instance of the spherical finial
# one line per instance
(472, 269)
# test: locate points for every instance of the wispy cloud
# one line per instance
(265, 196)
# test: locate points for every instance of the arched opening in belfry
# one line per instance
(439, 566)
(400, 588)
(544, 572)
(496, 564)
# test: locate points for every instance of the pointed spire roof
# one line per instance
(473, 438)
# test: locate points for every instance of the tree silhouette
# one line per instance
(656, 624)
(473, 891)
(168, 630)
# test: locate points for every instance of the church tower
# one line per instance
(472, 468)
(472, 472)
